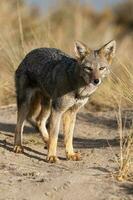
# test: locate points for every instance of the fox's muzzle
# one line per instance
(96, 81)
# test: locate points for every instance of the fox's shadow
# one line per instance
(29, 152)
(79, 143)
(10, 128)
(102, 121)
(128, 188)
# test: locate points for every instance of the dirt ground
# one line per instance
(29, 177)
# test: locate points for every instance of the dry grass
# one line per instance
(125, 158)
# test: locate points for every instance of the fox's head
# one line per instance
(95, 64)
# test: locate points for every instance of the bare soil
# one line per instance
(28, 176)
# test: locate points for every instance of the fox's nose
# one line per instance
(96, 81)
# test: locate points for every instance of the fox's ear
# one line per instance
(108, 50)
(81, 49)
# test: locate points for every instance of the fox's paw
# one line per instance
(74, 156)
(18, 149)
(52, 159)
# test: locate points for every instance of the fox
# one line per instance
(52, 86)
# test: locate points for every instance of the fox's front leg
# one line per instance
(69, 119)
(53, 135)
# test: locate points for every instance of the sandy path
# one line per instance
(27, 176)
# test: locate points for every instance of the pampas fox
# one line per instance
(57, 86)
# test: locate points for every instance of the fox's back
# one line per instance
(46, 67)
(44, 59)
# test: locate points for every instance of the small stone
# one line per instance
(25, 174)
(41, 180)
(32, 174)
(66, 185)
(47, 193)
(55, 188)
(68, 182)
(19, 180)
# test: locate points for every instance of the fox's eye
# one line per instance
(88, 68)
(101, 68)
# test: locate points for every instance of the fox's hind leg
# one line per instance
(35, 109)
(43, 117)
(23, 109)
